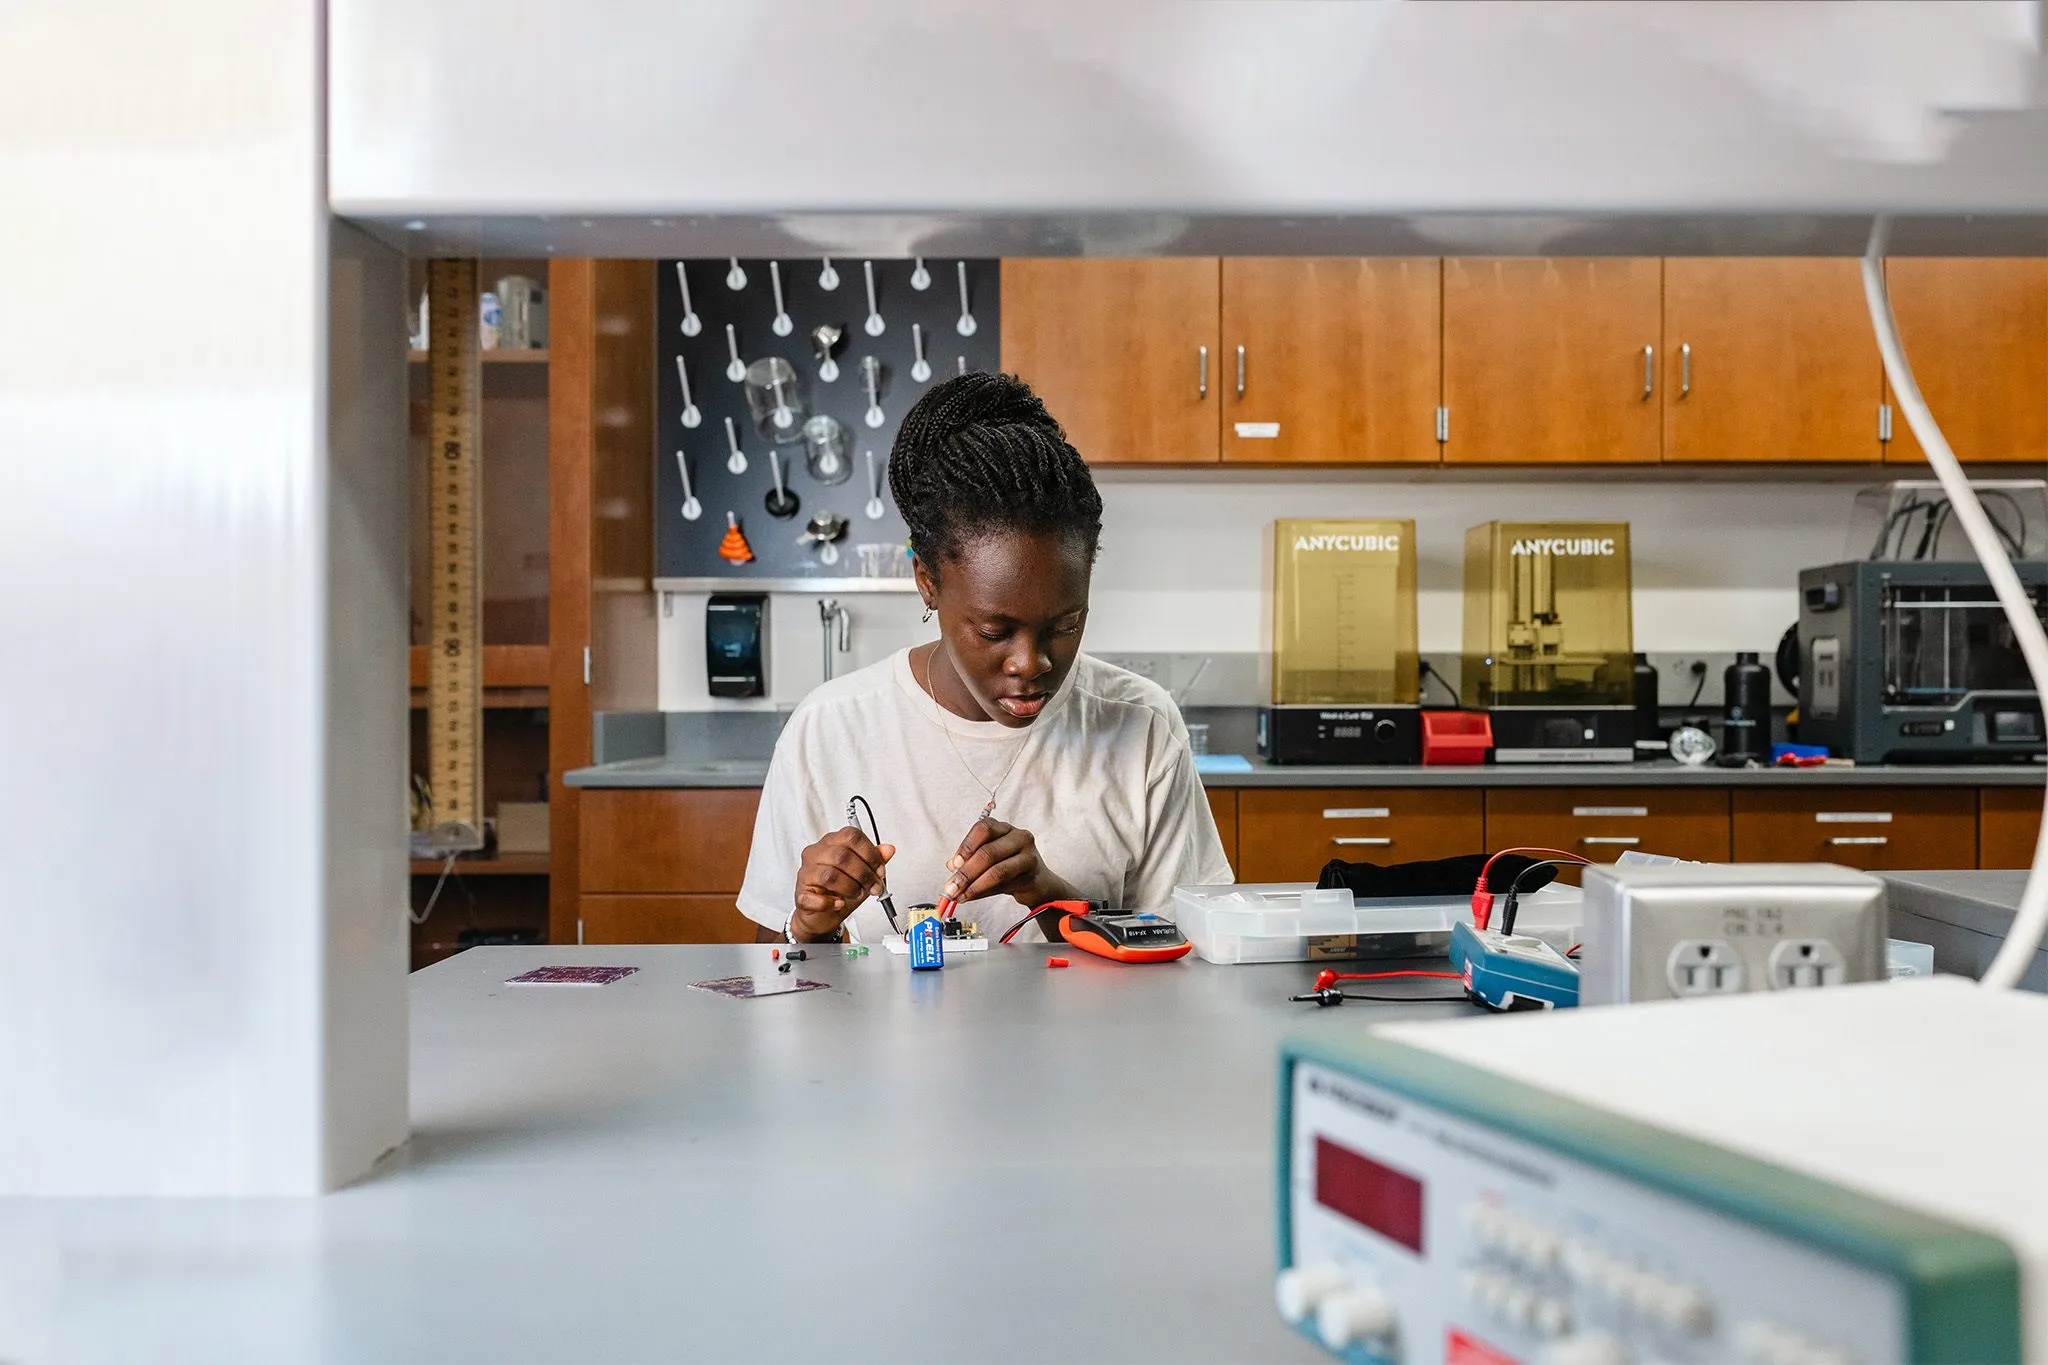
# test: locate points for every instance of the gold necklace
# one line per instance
(946, 731)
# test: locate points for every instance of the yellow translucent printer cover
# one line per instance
(1547, 617)
(1344, 613)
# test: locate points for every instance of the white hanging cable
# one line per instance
(2023, 940)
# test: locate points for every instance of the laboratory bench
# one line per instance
(995, 1161)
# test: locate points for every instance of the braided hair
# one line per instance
(980, 453)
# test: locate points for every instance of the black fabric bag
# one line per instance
(1433, 877)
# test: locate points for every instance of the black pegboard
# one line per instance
(689, 549)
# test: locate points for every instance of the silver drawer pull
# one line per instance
(1852, 817)
(1610, 812)
(1356, 812)
(1865, 839)
(1609, 839)
(1360, 839)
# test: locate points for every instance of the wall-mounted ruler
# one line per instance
(454, 652)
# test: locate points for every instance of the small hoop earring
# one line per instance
(927, 612)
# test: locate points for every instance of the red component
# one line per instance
(1055, 962)
(774, 953)
(1455, 738)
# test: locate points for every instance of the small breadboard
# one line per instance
(454, 653)
(895, 944)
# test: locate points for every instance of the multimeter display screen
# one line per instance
(1369, 1194)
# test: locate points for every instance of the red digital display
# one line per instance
(1369, 1194)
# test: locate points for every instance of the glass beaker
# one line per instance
(775, 399)
(825, 455)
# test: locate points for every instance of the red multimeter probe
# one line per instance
(1091, 927)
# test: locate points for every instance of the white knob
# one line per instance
(1299, 1288)
(1354, 1315)
(1597, 1349)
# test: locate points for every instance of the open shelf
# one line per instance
(526, 357)
(501, 865)
(514, 675)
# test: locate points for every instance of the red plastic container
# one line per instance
(1455, 738)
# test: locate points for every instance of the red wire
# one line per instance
(1326, 979)
(1482, 899)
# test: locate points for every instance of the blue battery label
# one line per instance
(927, 945)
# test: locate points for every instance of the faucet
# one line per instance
(830, 614)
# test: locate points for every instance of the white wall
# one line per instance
(1183, 566)
(202, 985)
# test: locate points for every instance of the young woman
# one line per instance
(1005, 768)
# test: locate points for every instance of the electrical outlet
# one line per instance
(1803, 963)
(1704, 966)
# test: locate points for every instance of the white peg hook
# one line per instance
(735, 278)
(920, 370)
(692, 509)
(828, 278)
(691, 416)
(920, 278)
(874, 322)
(692, 324)
(782, 326)
(735, 463)
(966, 324)
(736, 370)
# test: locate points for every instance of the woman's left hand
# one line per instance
(996, 859)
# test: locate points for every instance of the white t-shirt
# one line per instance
(1103, 779)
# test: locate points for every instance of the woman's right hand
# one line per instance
(838, 873)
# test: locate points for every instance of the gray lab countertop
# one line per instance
(992, 1162)
(668, 771)
(1964, 915)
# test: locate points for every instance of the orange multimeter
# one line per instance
(1093, 928)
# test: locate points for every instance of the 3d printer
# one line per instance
(1346, 674)
(1906, 656)
(1549, 639)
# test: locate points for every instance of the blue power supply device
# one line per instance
(1512, 971)
(927, 944)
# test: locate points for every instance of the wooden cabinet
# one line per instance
(2008, 822)
(1223, 805)
(1877, 828)
(1768, 360)
(1601, 823)
(1125, 353)
(1552, 361)
(664, 919)
(1286, 835)
(688, 840)
(1976, 335)
(1331, 360)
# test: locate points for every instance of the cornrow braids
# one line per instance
(980, 453)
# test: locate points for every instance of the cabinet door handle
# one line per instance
(1684, 368)
(1202, 384)
(1370, 841)
(1626, 839)
(1240, 372)
(1649, 371)
(1867, 840)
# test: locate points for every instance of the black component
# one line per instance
(1431, 877)
(1787, 659)
(1917, 664)
(1548, 734)
(1341, 734)
(735, 632)
(495, 938)
(1745, 712)
(955, 929)
(780, 502)
(1327, 996)
(854, 806)
(1649, 730)
(797, 955)
(1330, 995)
(1517, 887)
(784, 967)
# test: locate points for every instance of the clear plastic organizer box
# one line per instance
(1293, 922)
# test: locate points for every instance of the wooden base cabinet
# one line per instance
(1602, 823)
(1223, 805)
(1879, 829)
(670, 840)
(1286, 835)
(2008, 822)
